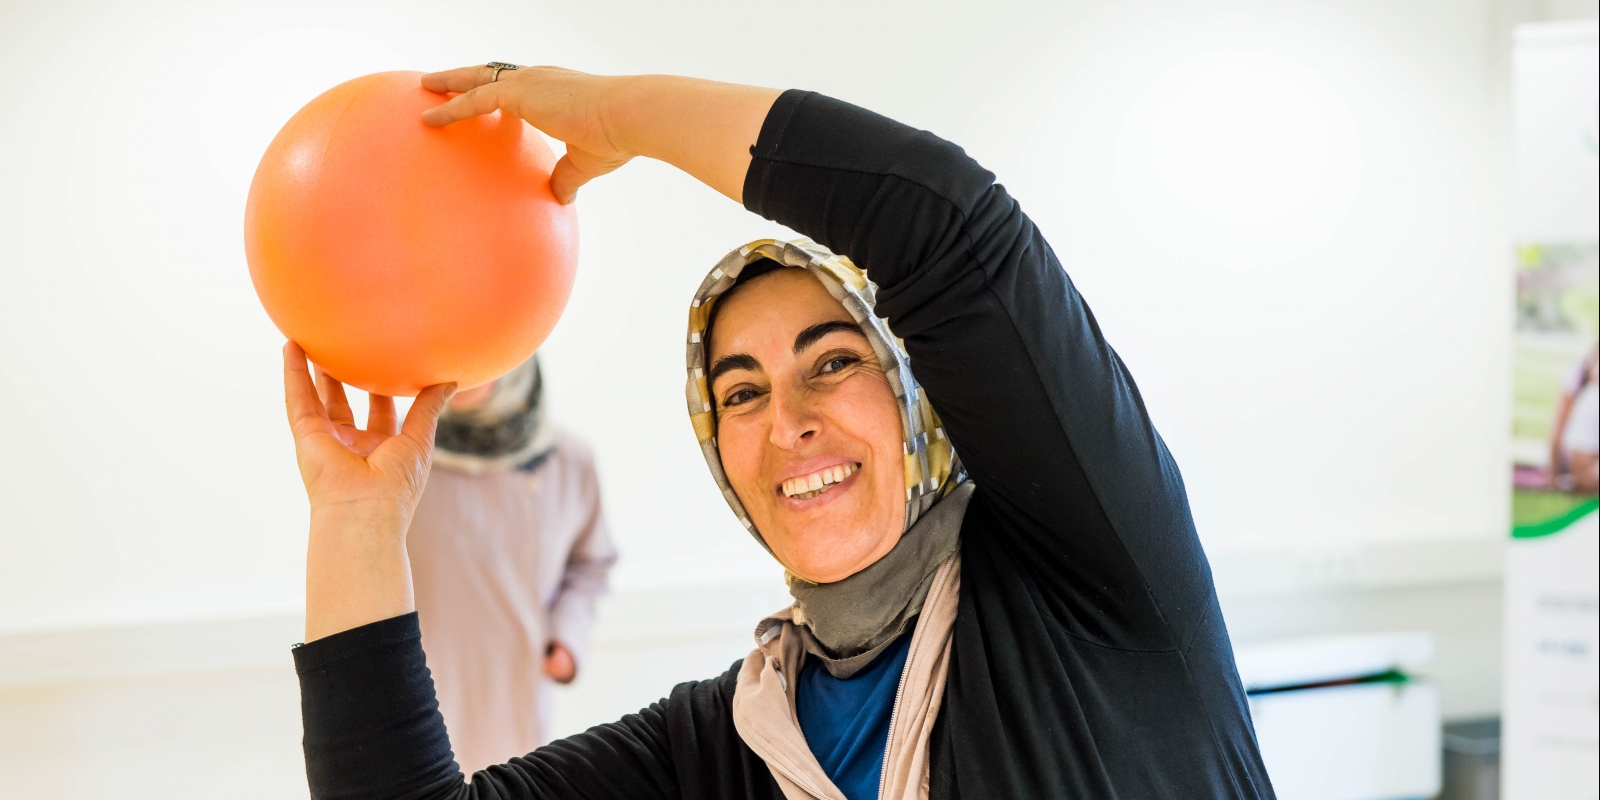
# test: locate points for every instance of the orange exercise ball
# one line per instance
(400, 256)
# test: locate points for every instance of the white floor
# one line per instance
(236, 733)
(230, 733)
(72, 727)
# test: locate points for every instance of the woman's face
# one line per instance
(807, 426)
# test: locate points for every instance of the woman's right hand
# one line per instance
(381, 469)
(363, 486)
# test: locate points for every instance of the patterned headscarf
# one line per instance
(932, 468)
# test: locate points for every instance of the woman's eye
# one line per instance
(740, 397)
(837, 363)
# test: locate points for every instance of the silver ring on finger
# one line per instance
(497, 66)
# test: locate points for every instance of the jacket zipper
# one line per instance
(798, 780)
(911, 652)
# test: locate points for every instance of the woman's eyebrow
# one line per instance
(811, 335)
(731, 362)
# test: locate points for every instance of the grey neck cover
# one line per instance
(506, 430)
(846, 624)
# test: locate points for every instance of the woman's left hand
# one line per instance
(565, 104)
(704, 128)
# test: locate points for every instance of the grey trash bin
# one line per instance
(1472, 760)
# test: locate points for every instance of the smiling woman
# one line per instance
(1035, 618)
(808, 432)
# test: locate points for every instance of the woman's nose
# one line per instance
(794, 420)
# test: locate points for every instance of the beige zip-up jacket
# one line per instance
(764, 700)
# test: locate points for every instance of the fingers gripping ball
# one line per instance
(400, 256)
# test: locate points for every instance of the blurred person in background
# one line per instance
(1575, 436)
(509, 553)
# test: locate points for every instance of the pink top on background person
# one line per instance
(508, 554)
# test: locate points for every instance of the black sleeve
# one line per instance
(373, 731)
(1042, 411)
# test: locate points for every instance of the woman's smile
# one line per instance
(818, 482)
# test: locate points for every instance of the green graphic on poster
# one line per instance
(1554, 384)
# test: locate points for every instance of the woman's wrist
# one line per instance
(630, 111)
(704, 128)
(375, 517)
(357, 568)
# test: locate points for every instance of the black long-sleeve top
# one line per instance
(1090, 659)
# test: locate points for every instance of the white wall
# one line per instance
(1281, 212)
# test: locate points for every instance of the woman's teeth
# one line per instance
(806, 487)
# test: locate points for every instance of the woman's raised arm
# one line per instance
(1081, 491)
(1042, 410)
(371, 719)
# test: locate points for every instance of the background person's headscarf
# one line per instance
(506, 430)
(857, 617)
